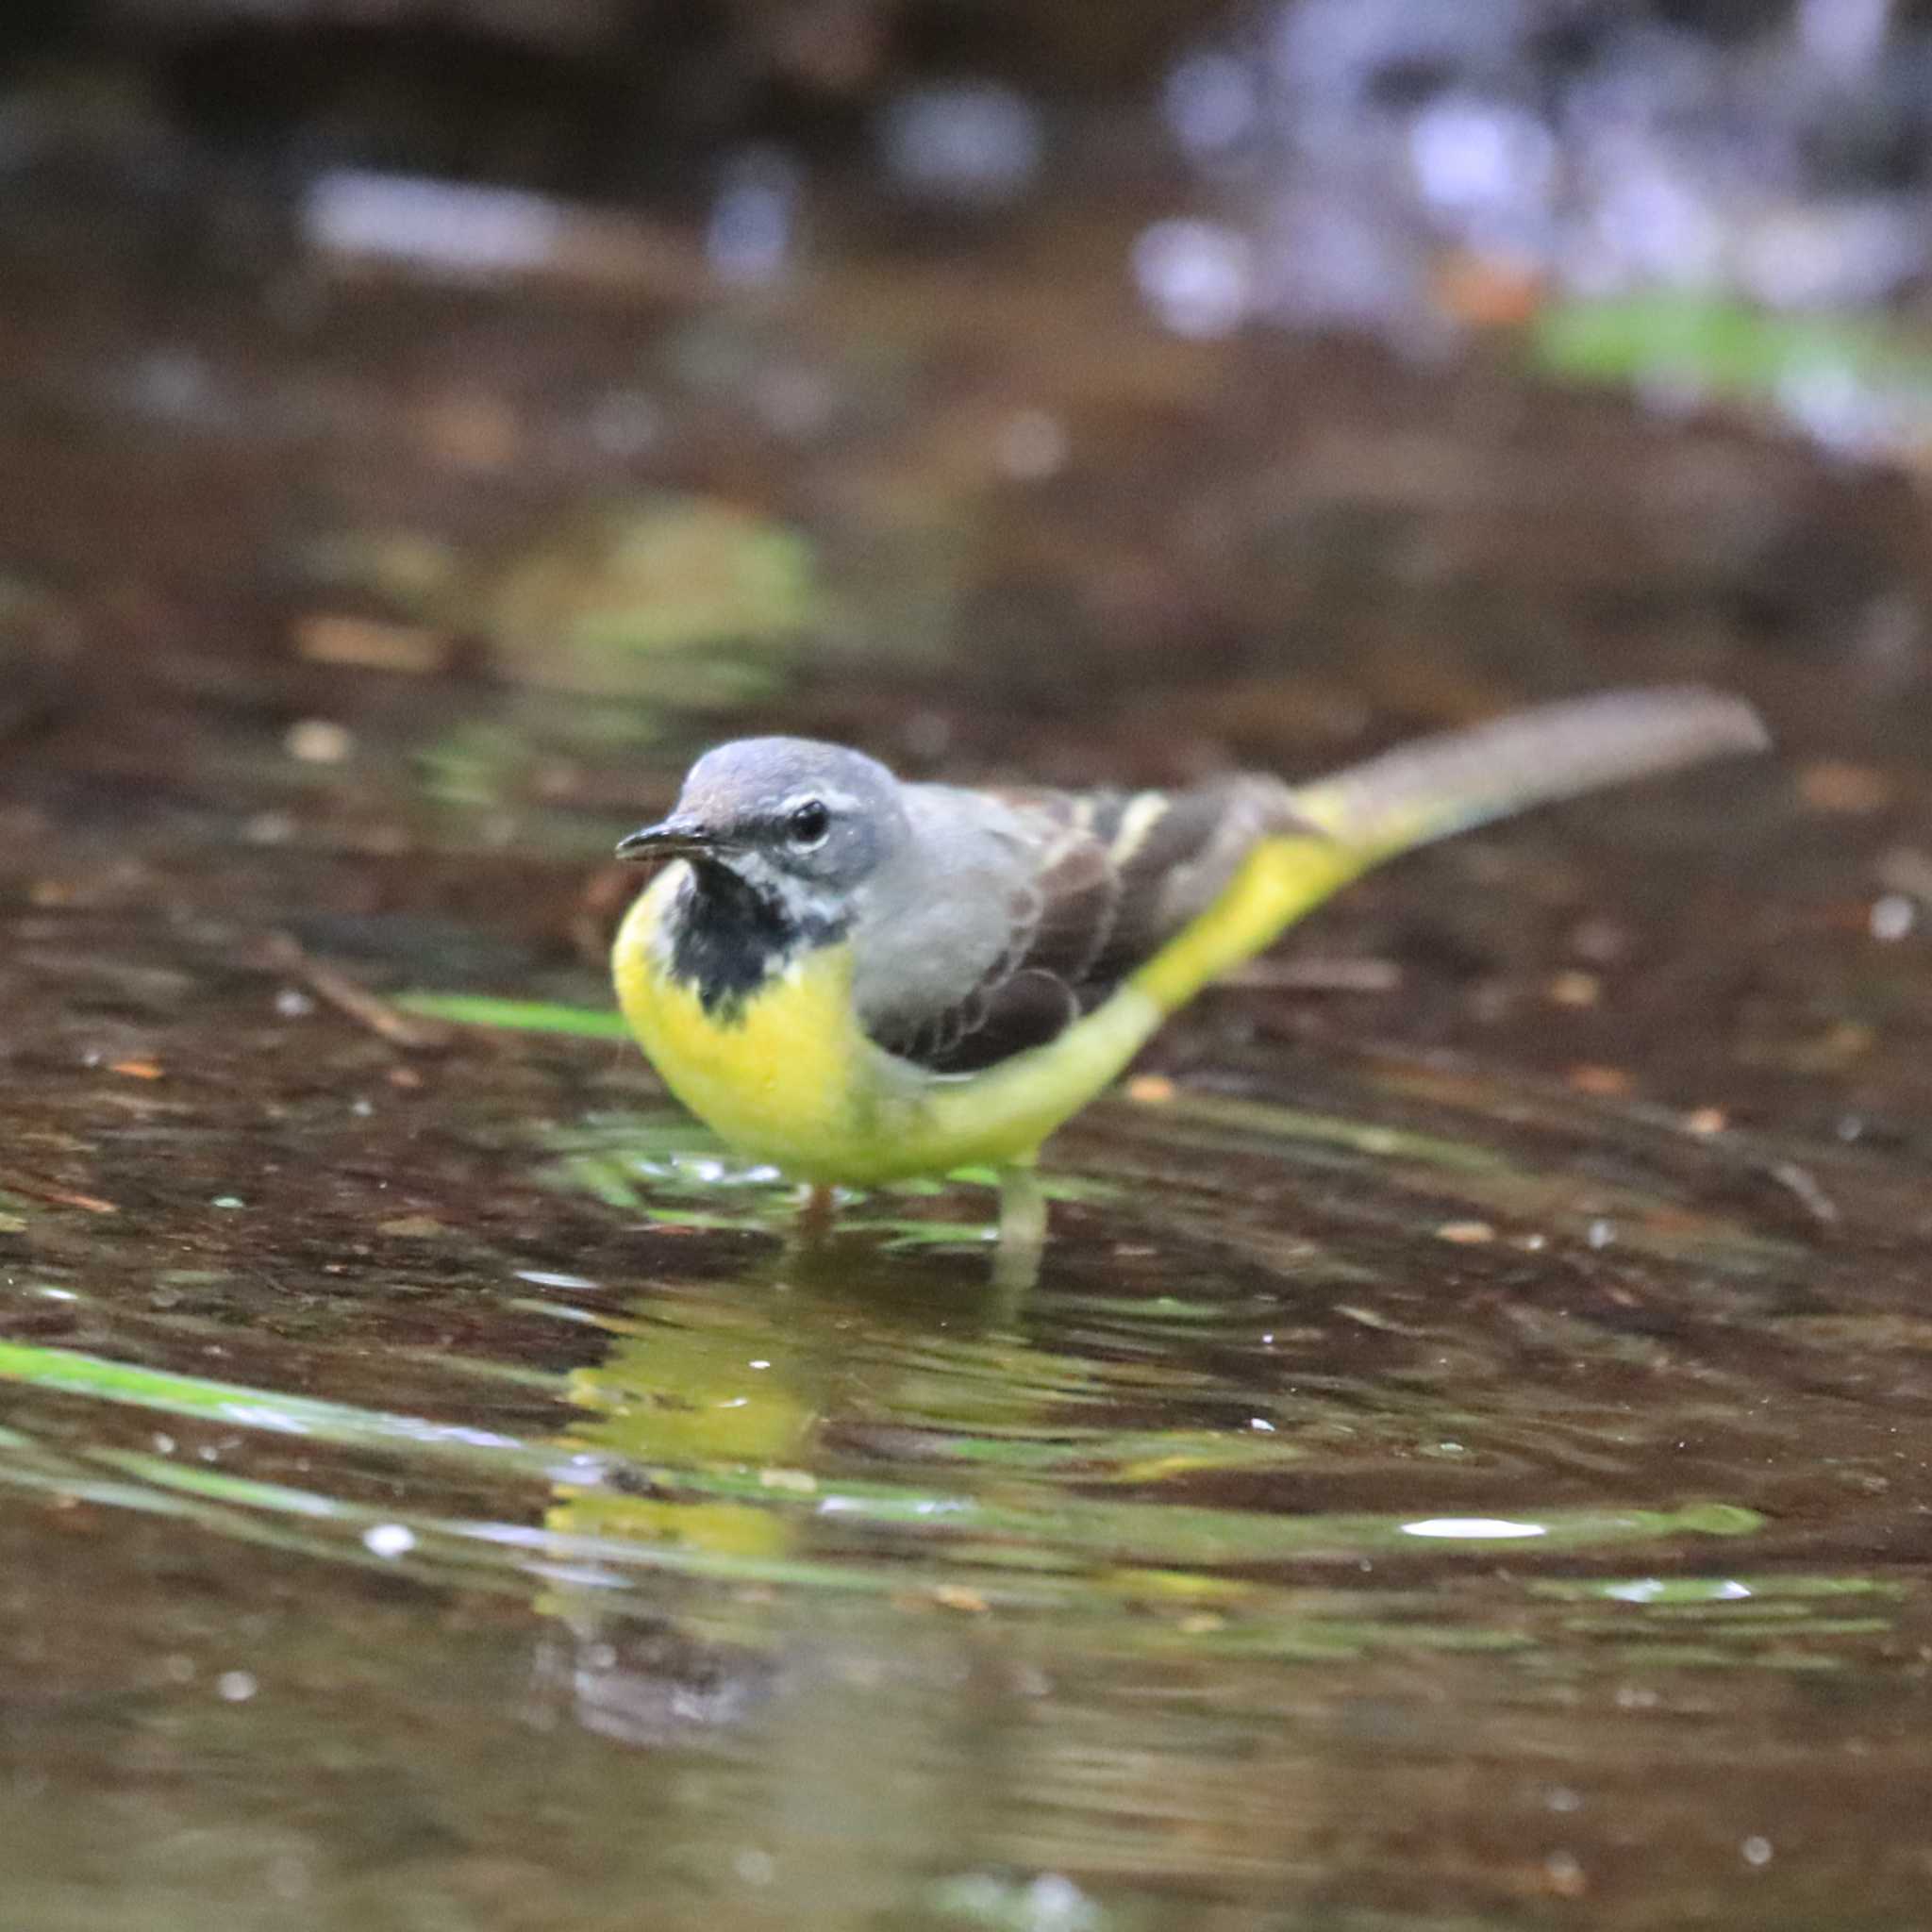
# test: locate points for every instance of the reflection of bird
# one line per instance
(859, 979)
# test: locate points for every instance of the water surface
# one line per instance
(1464, 1463)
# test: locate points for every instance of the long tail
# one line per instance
(1439, 786)
(1427, 790)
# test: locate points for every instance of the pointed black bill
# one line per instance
(673, 838)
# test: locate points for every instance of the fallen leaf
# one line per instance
(1608, 1082)
(1574, 988)
(1843, 789)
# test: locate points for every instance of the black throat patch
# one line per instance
(727, 938)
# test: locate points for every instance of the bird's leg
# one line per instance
(1023, 1228)
(814, 1215)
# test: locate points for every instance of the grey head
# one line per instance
(788, 816)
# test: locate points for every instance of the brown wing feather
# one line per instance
(1117, 874)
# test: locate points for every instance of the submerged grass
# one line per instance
(66, 1372)
(514, 1016)
(1019, 1512)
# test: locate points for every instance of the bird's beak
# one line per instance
(676, 836)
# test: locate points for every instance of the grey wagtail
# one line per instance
(858, 979)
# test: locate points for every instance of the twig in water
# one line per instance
(409, 1032)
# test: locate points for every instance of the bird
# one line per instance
(858, 979)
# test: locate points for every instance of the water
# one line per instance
(1463, 1463)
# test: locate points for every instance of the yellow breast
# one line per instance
(791, 1077)
(780, 1075)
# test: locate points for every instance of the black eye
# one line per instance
(809, 823)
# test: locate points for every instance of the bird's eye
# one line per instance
(809, 822)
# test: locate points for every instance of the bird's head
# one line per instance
(787, 815)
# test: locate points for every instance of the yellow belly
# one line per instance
(781, 1079)
(793, 1079)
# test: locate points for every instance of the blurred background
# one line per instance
(1464, 1463)
(697, 354)
(1005, 385)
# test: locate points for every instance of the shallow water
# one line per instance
(1465, 1460)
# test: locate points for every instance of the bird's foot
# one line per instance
(815, 1207)
(1022, 1230)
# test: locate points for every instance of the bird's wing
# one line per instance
(1106, 878)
